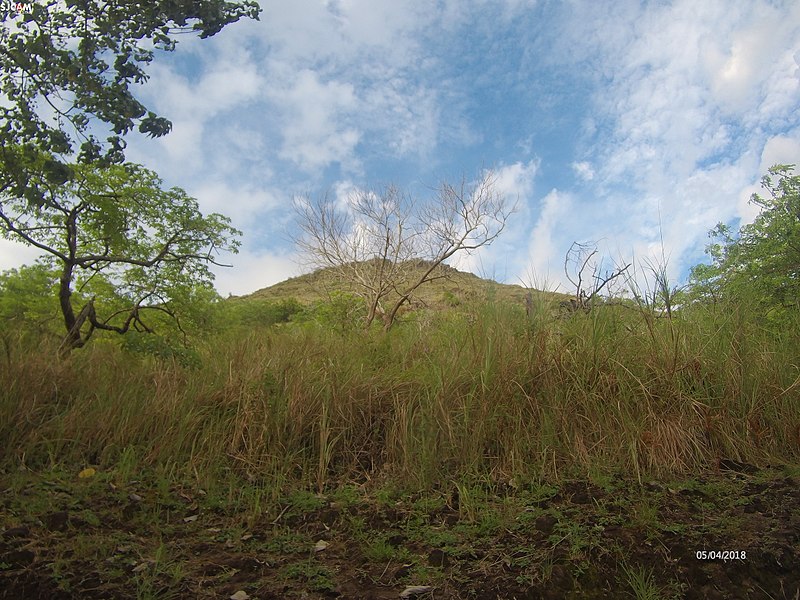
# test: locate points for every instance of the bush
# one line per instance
(257, 312)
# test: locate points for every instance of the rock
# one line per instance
(87, 473)
(415, 590)
(56, 521)
(438, 558)
(545, 524)
(16, 532)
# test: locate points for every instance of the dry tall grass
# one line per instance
(488, 393)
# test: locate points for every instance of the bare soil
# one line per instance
(62, 537)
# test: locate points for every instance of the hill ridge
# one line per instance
(451, 287)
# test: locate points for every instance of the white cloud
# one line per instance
(316, 130)
(583, 170)
(755, 60)
(689, 103)
(13, 254)
(201, 99)
(184, 144)
(545, 247)
(780, 150)
(405, 115)
(336, 32)
(515, 182)
(244, 203)
(689, 93)
(685, 79)
(253, 271)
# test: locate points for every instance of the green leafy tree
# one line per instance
(761, 260)
(129, 253)
(68, 63)
(26, 296)
(27, 307)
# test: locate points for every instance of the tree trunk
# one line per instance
(388, 319)
(72, 339)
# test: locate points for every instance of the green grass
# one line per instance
(385, 537)
(316, 576)
(480, 395)
(642, 585)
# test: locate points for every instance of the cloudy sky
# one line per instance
(622, 122)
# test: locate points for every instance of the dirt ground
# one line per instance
(734, 533)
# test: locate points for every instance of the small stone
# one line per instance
(56, 521)
(240, 595)
(415, 590)
(16, 532)
(545, 524)
(438, 558)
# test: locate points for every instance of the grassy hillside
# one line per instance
(451, 287)
(482, 389)
(478, 449)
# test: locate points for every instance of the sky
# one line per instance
(636, 125)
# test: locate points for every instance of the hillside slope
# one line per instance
(450, 288)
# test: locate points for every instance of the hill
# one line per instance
(451, 287)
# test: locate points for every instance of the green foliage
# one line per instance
(77, 61)
(121, 242)
(450, 299)
(471, 402)
(760, 262)
(257, 312)
(161, 347)
(27, 297)
(342, 311)
(125, 248)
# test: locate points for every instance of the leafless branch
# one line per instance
(371, 238)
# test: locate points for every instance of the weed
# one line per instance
(641, 583)
(347, 495)
(380, 550)
(316, 576)
(302, 501)
(439, 537)
(645, 513)
(288, 542)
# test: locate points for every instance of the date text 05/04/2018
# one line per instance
(721, 555)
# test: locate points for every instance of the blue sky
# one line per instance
(627, 123)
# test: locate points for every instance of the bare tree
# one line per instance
(586, 273)
(377, 241)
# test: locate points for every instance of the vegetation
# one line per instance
(760, 262)
(114, 232)
(66, 70)
(466, 439)
(386, 246)
(480, 444)
(479, 389)
(65, 66)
